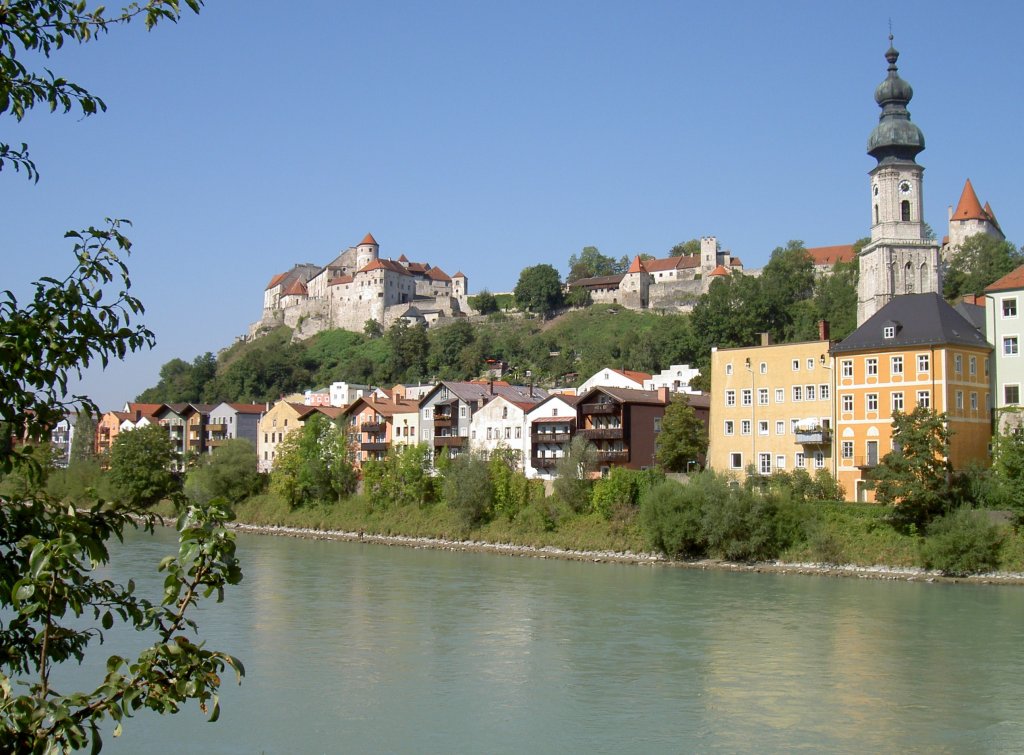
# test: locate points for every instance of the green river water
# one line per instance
(353, 647)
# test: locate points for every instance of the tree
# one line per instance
(312, 464)
(447, 348)
(37, 30)
(83, 442)
(685, 248)
(683, 439)
(914, 478)
(539, 290)
(578, 297)
(590, 263)
(484, 302)
(229, 472)
(409, 349)
(572, 475)
(141, 463)
(468, 489)
(372, 329)
(835, 298)
(980, 261)
(55, 605)
(1008, 466)
(401, 479)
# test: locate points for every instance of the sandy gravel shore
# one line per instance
(908, 574)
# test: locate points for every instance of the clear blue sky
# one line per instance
(487, 137)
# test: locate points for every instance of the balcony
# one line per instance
(448, 441)
(815, 436)
(371, 427)
(546, 463)
(602, 433)
(866, 462)
(374, 446)
(442, 420)
(218, 428)
(600, 409)
(550, 437)
(612, 456)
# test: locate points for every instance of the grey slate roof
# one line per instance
(920, 320)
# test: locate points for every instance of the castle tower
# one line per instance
(708, 254)
(367, 251)
(635, 285)
(900, 259)
(970, 218)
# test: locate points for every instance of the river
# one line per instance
(352, 647)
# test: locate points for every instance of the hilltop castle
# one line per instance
(358, 285)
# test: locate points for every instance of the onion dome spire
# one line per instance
(895, 138)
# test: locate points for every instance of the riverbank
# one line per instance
(891, 573)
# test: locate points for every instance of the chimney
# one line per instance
(766, 339)
(822, 330)
(663, 395)
(490, 386)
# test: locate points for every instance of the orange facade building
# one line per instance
(915, 351)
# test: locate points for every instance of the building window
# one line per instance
(889, 331)
(780, 427)
(798, 393)
(799, 460)
(735, 460)
(847, 449)
(730, 398)
(922, 363)
(958, 363)
(872, 402)
(847, 368)
(745, 427)
(764, 368)
(1011, 394)
(960, 400)
(462, 412)
(747, 397)
(974, 401)
(905, 210)
(897, 401)
(1010, 307)
(657, 424)
(796, 365)
(508, 433)
(762, 427)
(809, 393)
(823, 391)
(780, 461)
(924, 399)
(896, 365)
(780, 395)
(728, 369)
(819, 460)
(810, 364)
(762, 396)
(847, 401)
(730, 427)
(1010, 347)
(764, 463)
(871, 366)
(794, 426)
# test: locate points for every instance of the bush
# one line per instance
(962, 542)
(671, 514)
(468, 490)
(748, 525)
(622, 489)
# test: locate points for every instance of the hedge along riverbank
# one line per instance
(860, 542)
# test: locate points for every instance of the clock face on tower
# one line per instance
(904, 187)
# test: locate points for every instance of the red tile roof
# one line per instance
(1010, 281)
(635, 376)
(969, 208)
(403, 258)
(369, 239)
(830, 255)
(636, 266)
(459, 274)
(991, 216)
(276, 279)
(249, 408)
(672, 263)
(297, 288)
(340, 279)
(437, 274)
(379, 264)
(719, 271)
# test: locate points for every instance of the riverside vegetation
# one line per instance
(793, 517)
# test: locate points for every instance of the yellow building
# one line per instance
(771, 407)
(915, 351)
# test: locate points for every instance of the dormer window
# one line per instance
(889, 331)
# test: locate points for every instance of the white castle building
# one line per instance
(359, 285)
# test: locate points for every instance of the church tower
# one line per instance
(899, 259)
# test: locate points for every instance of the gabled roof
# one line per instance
(339, 280)
(477, 390)
(624, 395)
(403, 258)
(919, 320)
(672, 263)
(830, 255)
(1011, 281)
(419, 268)
(249, 408)
(735, 262)
(276, 279)
(601, 281)
(437, 274)
(567, 398)
(991, 216)
(720, 270)
(297, 288)
(969, 208)
(379, 264)
(459, 274)
(635, 375)
(369, 239)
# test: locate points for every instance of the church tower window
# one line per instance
(905, 209)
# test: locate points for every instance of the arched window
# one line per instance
(908, 278)
(923, 278)
(905, 209)
(876, 214)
